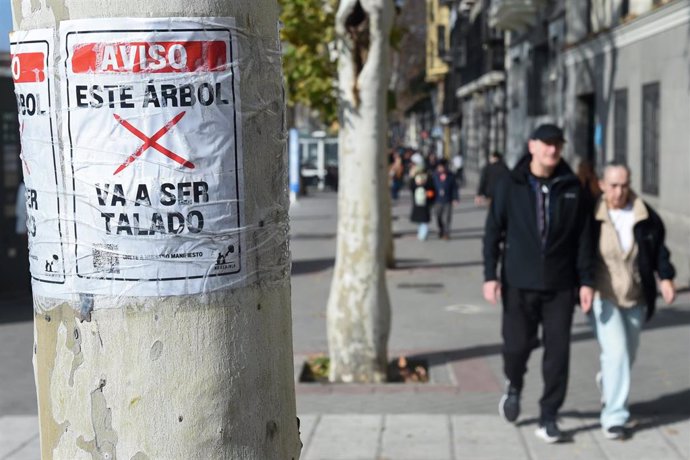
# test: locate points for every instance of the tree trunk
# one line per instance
(388, 230)
(202, 368)
(358, 305)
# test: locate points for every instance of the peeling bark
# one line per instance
(358, 306)
(193, 376)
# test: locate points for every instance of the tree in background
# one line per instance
(309, 66)
(358, 312)
(408, 85)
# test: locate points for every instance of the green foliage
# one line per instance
(308, 30)
(319, 365)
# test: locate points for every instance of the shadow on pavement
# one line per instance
(317, 217)
(312, 236)
(664, 410)
(468, 230)
(670, 404)
(669, 317)
(448, 356)
(454, 235)
(303, 267)
(469, 210)
(407, 264)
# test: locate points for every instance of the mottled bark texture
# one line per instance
(197, 376)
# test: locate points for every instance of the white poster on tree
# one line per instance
(32, 65)
(152, 138)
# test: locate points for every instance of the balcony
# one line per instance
(515, 15)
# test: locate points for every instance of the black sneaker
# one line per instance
(549, 432)
(509, 405)
(615, 432)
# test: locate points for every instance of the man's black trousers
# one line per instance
(444, 215)
(523, 312)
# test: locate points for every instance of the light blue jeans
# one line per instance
(422, 231)
(618, 332)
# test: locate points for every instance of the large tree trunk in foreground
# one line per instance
(358, 306)
(178, 367)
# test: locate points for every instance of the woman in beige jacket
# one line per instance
(630, 250)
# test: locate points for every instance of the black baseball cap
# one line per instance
(548, 133)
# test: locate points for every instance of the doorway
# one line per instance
(584, 128)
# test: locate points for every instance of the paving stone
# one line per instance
(29, 451)
(475, 375)
(345, 437)
(463, 347)
(18, 433)
(678, 434)
(306, 430)
(648, 443)
(581, 446)
(415, 437)
(486, 437)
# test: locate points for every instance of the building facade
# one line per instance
(437, 48)
(615, 75)
(627, 97)
(481, 94)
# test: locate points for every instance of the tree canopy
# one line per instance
(308, 34)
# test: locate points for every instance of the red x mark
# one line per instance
(151, 142)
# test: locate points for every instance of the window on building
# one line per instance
(514, 85)
(620, 126)
(537, 81)
(441, 40)
(588, 21)
(650, 138)
(585, 128)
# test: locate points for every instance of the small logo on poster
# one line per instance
(50, 268)
(221, 260)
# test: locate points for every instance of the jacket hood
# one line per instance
(521, 171)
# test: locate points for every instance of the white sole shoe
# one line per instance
(544, 436)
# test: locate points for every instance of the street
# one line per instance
(438, 316)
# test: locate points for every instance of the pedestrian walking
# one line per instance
(423, 194)
(491, 173)
(629, 237)
(446, 197)
(589, 180)
(459, 169)
(540, 215)
(396, 172)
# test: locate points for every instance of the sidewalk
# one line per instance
(439, 316)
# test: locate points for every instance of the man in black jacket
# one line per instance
(491, 174)
(540, 214)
